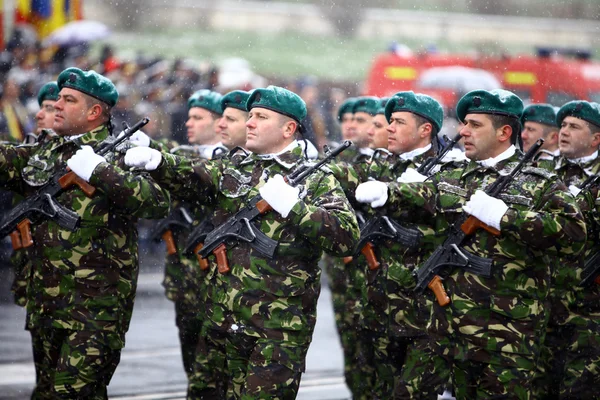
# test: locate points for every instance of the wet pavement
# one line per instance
(151, 366)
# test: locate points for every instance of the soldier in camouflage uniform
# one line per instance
(185, 279)
(486, 342)
(47, 96)
(21, 263)
(346, 276)
(539, 121)
(334, 268)
(82, 283)
(261, 311)
(573, 337)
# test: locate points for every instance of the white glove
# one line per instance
(373, 192)
(410, 176)
(139, 139)
(281, 196)
(84, 162)
(485, 208)
(574, 190)
(143, 157)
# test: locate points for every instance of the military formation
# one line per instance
(463, 266)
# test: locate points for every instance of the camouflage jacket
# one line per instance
(573, 303)
(504, 312)
(85, 279)
(545, 160)
(269, 298)
(184, 281)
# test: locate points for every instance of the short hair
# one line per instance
(419, 120)
(594, 128)
(92, 101)
(498, 121)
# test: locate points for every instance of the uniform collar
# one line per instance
(589, 164)
(287, 158)
(90, 138)
(410, 155)
(492, 161)
(366, 151)
(548, 155)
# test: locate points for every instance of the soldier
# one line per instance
(389, 320)
(347, 280)
(233, 121)
(378, 135)
(261, 311)
(82, 284)
(539, 121)
(47, 96)
(574, 329)
(185, 277)
(44, 118)
(486, 342)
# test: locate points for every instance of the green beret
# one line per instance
(368, 104)
(280, 100)
(382, 103)
(496, 102)
(585, 110)
(236, 99)
(416, 103)
(89, 82)
(48, 92)
(206, 99)
(540, 113)
(346, 108)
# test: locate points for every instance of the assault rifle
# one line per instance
(381, 227)
(43, 205)
(178, 218)
(451, 255)
(239, 228)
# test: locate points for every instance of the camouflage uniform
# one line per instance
(184, 281)
(487, 341)
(546, 160)
(82, 287)
(261, 315)
(572, 347)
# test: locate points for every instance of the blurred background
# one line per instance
(158, 52)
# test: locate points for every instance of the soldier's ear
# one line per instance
(504, 133)
(596, 140)
(290, 128)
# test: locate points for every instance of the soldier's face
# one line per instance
(361, 123)
(200, 126)
(378, 134)
(268, 132)
(233, 128)
(71, 113)
(576, 139)
(45, 117)
(403, 133)
(348, 131)
(480, 137)
(532, 131)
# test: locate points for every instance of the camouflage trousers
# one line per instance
(237, 366)
(74, 364)
(430, 369)
(190, 328)
(570, 364)
(380, 360)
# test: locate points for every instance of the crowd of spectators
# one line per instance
(148, 86)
